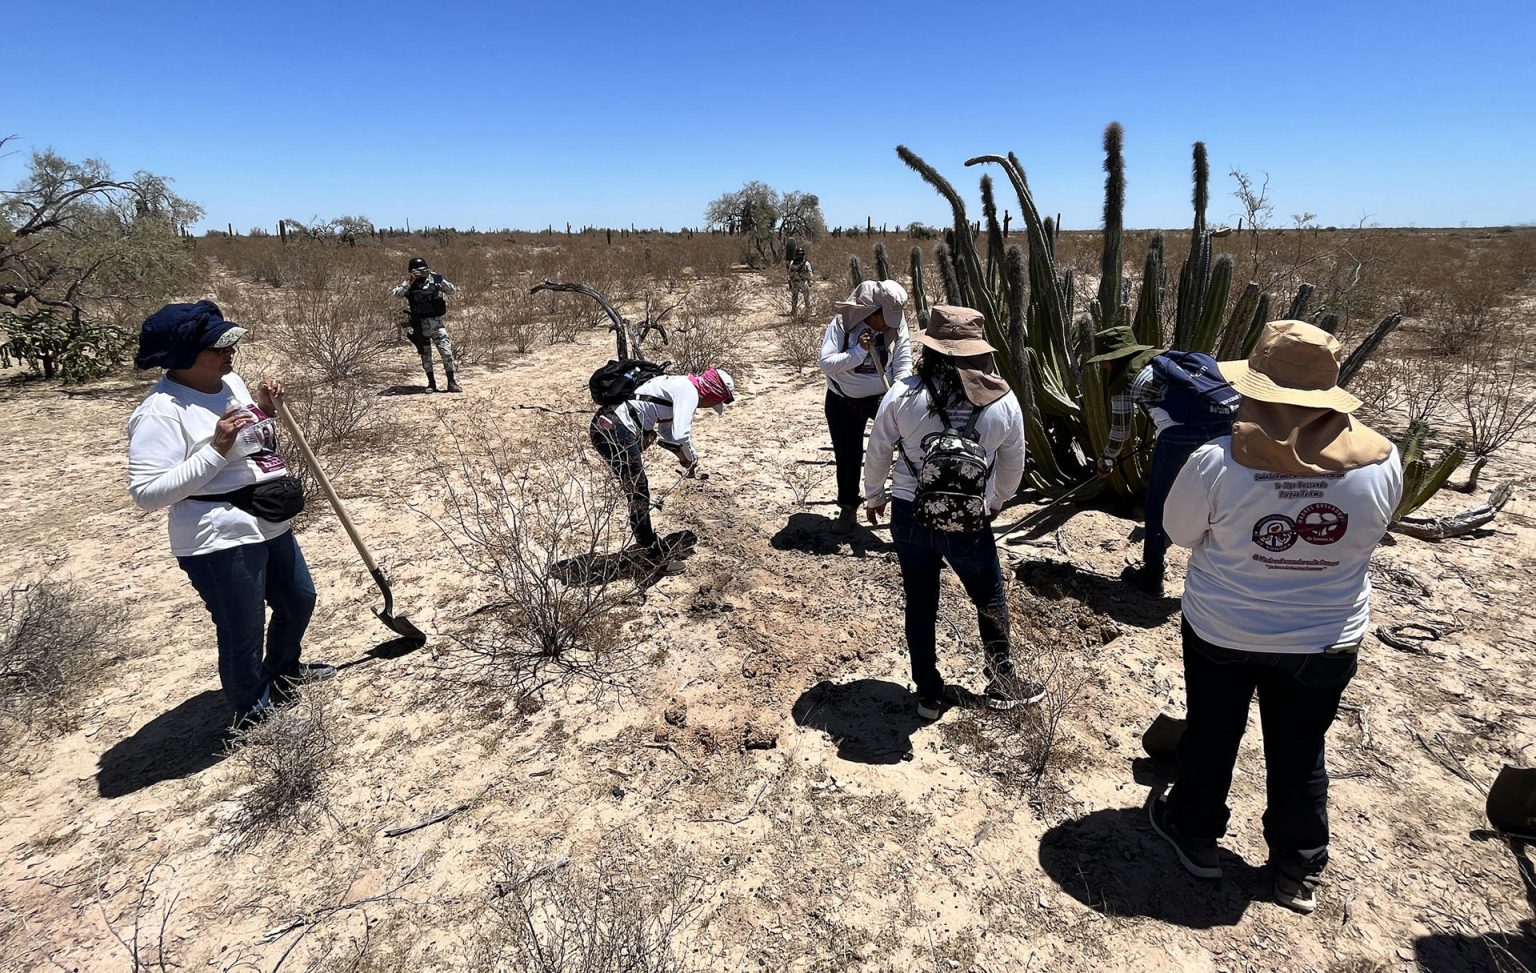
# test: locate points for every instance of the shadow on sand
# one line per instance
(178, 743)
(1114, 863)
(871, 720)
(589, 570)
(811, 533)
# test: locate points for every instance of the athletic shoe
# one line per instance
(1296, 896)
(1143, 580)
(847, 519)
(284, 689)
(1198, 857)
(315, 672)
(1007, 690)
(929, 707)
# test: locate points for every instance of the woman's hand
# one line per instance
(866, 339)
(269, 395)
(230, 424)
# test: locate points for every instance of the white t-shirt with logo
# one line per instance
(171, 458)
(1278, 560)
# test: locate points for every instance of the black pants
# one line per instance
(621, 448)
(922, 552)
(1298, 700)
(846, 421)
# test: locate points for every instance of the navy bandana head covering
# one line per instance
(173, 336)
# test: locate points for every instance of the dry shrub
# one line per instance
(699, 341)
(724, 297)
(338, 329)
(1024, 746)
(56, 637)
(531, 525)
(286, 764)
(506, 323)
(799, 343)
(565, 918)
(339, 421)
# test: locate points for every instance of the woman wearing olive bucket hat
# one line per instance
(1189, 403)
(956, 392)
(1281, 519)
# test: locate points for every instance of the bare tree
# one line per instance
(79, 247)
(1494, 402)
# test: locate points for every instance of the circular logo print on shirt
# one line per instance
(1322, 523)
(1276, 532)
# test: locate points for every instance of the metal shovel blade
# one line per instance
(398, 624)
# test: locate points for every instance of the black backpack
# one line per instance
(951, 492)
(426, 301)
(615, 383)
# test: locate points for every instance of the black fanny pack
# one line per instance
(272, 500)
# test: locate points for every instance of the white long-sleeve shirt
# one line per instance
(851, 370)
(664, 405)
(171, 457)
(1278, 560)
(904, 416)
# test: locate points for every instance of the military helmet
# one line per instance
(417, 263)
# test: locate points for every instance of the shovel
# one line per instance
(398, 624)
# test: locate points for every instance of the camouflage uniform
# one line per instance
(427, 332)
(799, 285)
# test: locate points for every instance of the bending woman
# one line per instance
(200, 446)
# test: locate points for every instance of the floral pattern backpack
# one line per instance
(951, 493)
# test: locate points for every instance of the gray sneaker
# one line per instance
(1296, 896)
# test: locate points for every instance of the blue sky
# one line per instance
(511, 114)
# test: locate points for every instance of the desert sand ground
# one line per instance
(760, 770)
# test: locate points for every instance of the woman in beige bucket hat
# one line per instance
(1280, 519)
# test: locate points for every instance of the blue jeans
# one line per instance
(1172, 450)
(922, 552)
(1298, 701)
(846, 421)
(237, 584)
(621, 449)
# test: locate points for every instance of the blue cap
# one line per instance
(173, 336)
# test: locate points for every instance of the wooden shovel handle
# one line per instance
(325, 486)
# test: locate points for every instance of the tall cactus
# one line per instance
(1114, 227)
(882, 263)
(855, 272)
(919, 289)
(1043, 342)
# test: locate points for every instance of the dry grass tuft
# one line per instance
(56, 637)
(286, 764)
(561, 917)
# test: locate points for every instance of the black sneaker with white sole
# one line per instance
(1297, 896)
(929, 707)
(1199, 858)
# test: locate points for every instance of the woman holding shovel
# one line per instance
(865, 351)
(1281, 518)
(200, 446)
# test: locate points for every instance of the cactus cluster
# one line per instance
(1043, 340)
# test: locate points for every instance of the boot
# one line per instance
(431, 380)
(453, 386)
(847, 518)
